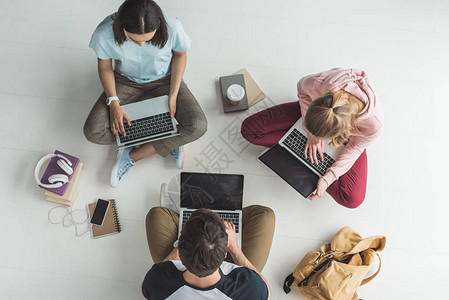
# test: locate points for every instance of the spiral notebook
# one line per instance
(111, 223)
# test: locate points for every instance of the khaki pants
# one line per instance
(192, 121)
(257, 233)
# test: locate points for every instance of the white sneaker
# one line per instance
(163, 194)
(122, 164)
(165, 200)
(178, 154)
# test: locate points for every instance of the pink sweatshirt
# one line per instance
(369, 123)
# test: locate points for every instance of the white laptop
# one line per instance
(150, 121)
(221, 193)
(287, 160)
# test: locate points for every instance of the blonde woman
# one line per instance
(339, 105)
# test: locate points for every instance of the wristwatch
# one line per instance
(110, 99)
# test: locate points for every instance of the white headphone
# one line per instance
(56, 180)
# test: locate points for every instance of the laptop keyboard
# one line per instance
(296, 141)
(147, 127)
(229, 217)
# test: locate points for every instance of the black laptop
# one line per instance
(290, 169)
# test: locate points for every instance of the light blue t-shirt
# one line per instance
(140, 64)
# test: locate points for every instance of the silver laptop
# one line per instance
(150, 121)
(221, 193)
(295, 141)
(287, 160)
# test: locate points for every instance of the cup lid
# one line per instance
(235, 92)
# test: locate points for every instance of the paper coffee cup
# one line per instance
(235, 93)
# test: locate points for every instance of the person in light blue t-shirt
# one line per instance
(142, 54)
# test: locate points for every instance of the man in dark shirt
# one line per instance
(196, 268)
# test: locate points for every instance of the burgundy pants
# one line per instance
(267, 127)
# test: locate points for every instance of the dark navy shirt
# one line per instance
(165, 281)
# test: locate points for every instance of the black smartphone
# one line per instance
(99, 212)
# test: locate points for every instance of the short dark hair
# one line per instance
(139, 17)
(203, 243)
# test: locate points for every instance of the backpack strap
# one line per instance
(288, 283)
(325, 264)
(366, 280)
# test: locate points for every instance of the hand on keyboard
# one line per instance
(232, 237)
(313, 145)
(148, 126)
(116, 118)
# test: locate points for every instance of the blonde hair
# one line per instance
(332, 116)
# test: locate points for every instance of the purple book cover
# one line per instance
(53, 168)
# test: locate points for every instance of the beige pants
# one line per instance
(257, 233)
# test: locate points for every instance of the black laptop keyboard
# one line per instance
(147, 127)
(229, 217)
(296, 141)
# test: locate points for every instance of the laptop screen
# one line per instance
(289, 168)
(213, 191)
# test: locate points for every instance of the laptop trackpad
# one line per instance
(289, 168)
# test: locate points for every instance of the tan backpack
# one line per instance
(337, 269)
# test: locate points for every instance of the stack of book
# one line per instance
(67, 193)
(253, 93)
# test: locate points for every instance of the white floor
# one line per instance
(49, 83)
